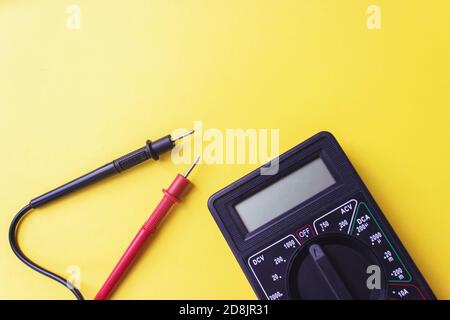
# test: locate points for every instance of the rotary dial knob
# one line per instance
(335, 266)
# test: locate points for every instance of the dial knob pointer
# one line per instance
(329, 274)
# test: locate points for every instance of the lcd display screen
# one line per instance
(284, 194)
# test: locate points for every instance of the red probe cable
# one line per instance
(171, 196)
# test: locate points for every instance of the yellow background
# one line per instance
(71, 100)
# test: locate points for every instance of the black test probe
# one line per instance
(152, 150)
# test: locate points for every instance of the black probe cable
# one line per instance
(151, 150)
(15, 247)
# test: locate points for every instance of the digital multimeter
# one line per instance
(313, 231)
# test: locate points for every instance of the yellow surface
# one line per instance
(71, 100)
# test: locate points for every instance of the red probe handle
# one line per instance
(171, 196)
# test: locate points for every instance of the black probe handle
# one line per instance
(152, 150)
(91, 177)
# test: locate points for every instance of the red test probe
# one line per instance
(171, 196)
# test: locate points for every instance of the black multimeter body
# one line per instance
(335, 244)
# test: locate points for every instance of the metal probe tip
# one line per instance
(192, 167)
(182, 135)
